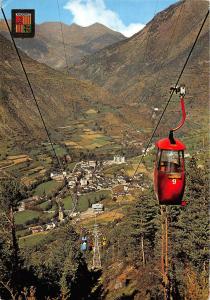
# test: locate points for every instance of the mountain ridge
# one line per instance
(16, 96)
(140, 70)
(134, 80)
(47, 46)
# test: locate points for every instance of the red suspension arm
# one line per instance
(183, 115)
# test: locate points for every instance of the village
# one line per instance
(86, 177)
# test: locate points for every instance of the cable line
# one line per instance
(62, 34)
(74, 201)
(166, 52)
(179, 77)
(32, 92)
(74, 196)
(74, 103)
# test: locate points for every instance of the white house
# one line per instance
(92, 163)
(119, 159)
(36, 229)
(98, 207)
(57, 177)
(71, 183)
(50, 226)
(83, 182)
(22, 206)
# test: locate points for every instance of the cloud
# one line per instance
(88, 12)
(4, 4)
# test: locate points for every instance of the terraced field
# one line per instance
(88, 139)
(14, 160)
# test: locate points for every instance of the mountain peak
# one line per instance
(97, 24)
(75, 26)
(47, 47)
(101, 27)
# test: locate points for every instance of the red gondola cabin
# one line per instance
(169, 173)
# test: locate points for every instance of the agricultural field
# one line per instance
(28, 216)
(25, 216)
(91, 111)
(47, 188)
(33, 239)
(28, 167)
(44, 205)
(87, 199)
(23, 232)
(124, 199)
(103, 218)
(59, 149)
(33, 164)
(88, 139)
(135, 168)
(14, 160)
(88, 133)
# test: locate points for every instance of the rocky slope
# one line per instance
(136, 72)
(59, 96)
(140, 70)
(165, 39)
(47, 46)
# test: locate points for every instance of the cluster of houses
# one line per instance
(40, 228)
(96, 208)
(89, 177)
(117, 160)
(58, 176)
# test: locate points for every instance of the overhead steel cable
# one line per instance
(166, 53)
(146, 39)
(32, 91)
(155, 129)
(40, 113)
(163, 112)
(74, 196)
(62, 35)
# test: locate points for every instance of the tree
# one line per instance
(75, 279)
(11, 193)
(188, 230)
(134, 238)
(62, 270)
(143, 226)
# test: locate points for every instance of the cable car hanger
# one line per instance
(182, 91)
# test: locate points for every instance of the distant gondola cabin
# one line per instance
(83, 246)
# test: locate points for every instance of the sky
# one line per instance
(125, 16)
